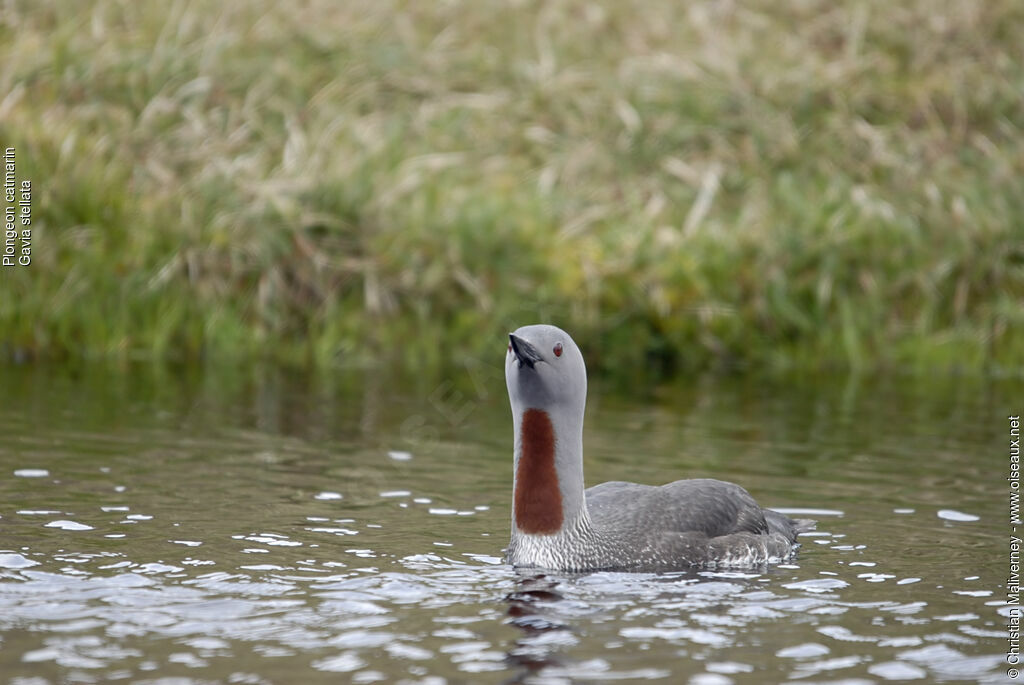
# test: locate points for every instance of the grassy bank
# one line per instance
(683, 184)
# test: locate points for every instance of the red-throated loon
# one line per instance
(558, 525)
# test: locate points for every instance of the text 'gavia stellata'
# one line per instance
(558, 525)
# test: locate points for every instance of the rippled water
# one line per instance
(267, 528)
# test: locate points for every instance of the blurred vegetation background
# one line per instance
(681, 185)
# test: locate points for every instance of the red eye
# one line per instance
(558, 349)
(510, 347)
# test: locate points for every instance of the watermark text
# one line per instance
(1013, 655)
(17, 210)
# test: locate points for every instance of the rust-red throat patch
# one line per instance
(538, 500)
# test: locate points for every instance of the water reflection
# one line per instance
(533, 653)
(703, 613)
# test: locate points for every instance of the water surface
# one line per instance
(270, 528)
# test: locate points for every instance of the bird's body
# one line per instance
(558, 525)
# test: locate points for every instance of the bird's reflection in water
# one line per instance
(526, 606)
(543, 607)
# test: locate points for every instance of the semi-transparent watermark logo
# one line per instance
(454, 406)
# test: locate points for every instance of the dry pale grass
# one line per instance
(754, 183)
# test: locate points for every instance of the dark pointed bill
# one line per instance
(524, 351)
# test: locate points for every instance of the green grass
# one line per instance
(681, 185)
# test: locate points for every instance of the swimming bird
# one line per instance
(559, 525)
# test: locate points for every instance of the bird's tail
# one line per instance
(780, 523)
